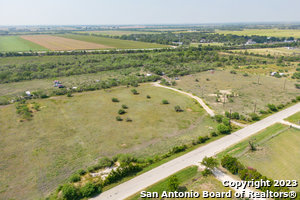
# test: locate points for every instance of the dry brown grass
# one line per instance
(59, 43)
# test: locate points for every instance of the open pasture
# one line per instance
(265, 32)
(115, 43)
(119, 32)
(63, 44)
(69, 133)
(282, 51)
(246, 90)
(16, 43)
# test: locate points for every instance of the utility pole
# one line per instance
(258, 79)
(254, 107)
(284, 84)
(230, 117)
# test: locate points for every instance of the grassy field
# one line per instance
(71, 133)
(277, 153)
(115, 43)
(283, 51)
(245, 89)
(294, 118)
(265, 32)
(189, 179)
(15, 43)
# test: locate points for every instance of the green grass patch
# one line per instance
(15, 43)
(116, 43)
(294, 118)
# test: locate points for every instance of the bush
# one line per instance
(202, 139)
(148, 97)
(298, 98)
(235, 115)
(219, 118)
(206, 172)
(233, 72)
(75, 178)
(293, 100)
(69, 94)
(280, 106)
(118, 118)
(165, 101)
(263, 112)
(134, 91)
(226, 121)
(124, 106)
(178, 149)
(272, 107)
(254, 116)
(173, 183)
(213, 134)
(125, 159)
(178, 109)
(128, 119)
(88, 190)
(223, 129)
(105, 162)
(245, 74)
(115, 99)
(121, 112)
(81, 172)
(69, 192)
(231, 164)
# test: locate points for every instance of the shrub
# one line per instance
(125, 159)
(69, 192)
(233, 72)
(115, 99)
(148, 97)
(178, 149)
(178, 109)
(134, 91)
(128, 119)
(272, 107)
(88, 190)
(263, 112)
(254, 116)
(298, 98)
(121, 112)
(206, 172)
(245, 74)
(231, 164)
(105, 162)
(280, 106)
(226, 121)
(235, 115)
(173, 183)
(219, 118)
(202, 139)
(223, 129)
(118, 118)
(213, 134)
(75, 178)
(294, 100)
(227, 114)
(69, 94)
(81, 172)
(124, 106)
(165, 101)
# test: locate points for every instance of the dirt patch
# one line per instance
(59, 43)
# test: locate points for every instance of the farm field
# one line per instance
(294, 118)
(246, 91)
(283, 51)
(55, 43)
(119, 32)
(265, 32)
(189, 179)
(71, 133)
(115, 43)
(16, 43)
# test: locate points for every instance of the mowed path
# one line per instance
(142, 181)
(63, 44)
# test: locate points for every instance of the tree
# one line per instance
(173, 183)
(88, 190)
(219, 118)
(121, 112)
(114, 99)
(178, 109)
(209, 162)
(223, 129)
(69, 192)
(254, 116)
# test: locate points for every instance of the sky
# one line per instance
(121, 12)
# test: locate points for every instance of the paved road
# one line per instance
(290, 124)
(142, 181)
(208, 110)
